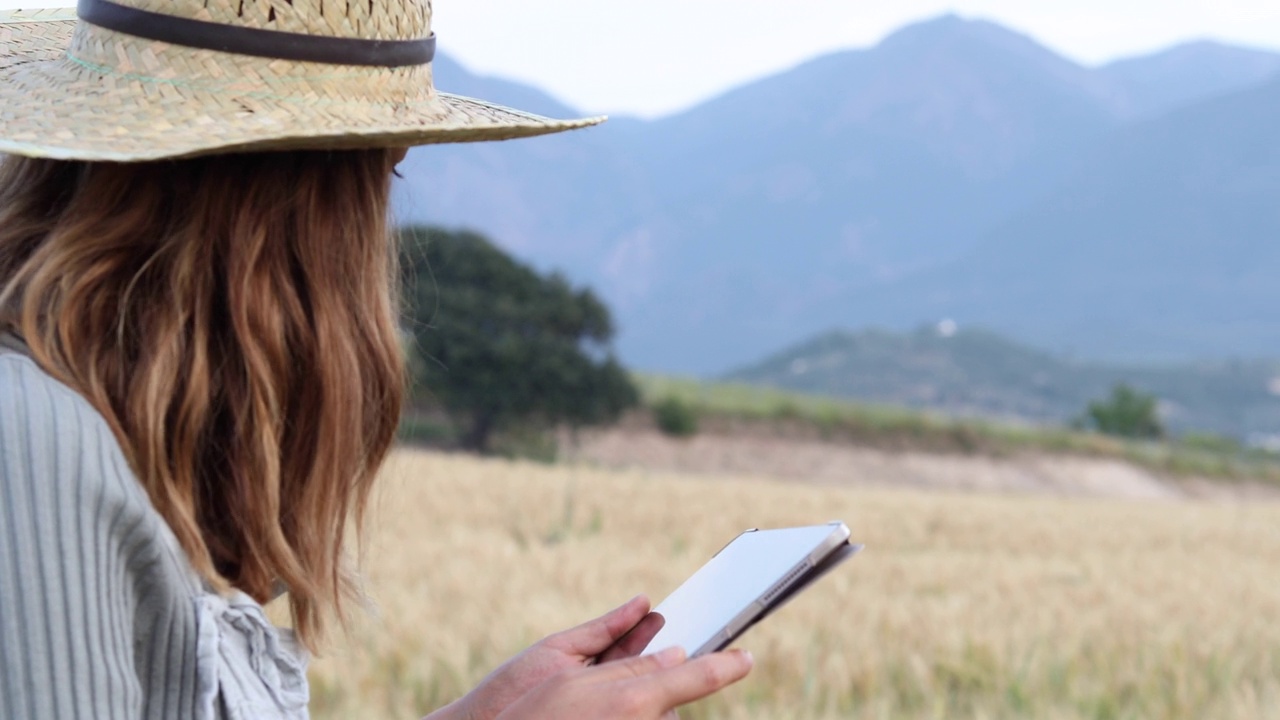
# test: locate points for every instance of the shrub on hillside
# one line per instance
(1127, 413)
(675, 417)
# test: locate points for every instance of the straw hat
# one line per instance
(129, 80)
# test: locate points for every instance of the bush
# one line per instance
(1128, 413)
(675, 417)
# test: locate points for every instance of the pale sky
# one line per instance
(652, 57)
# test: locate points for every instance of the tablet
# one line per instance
(744, 582)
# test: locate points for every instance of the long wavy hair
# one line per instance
(234, 320)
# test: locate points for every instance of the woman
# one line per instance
(200, 372)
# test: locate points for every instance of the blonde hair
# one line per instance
(233, 318)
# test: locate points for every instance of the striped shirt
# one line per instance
(101, 614)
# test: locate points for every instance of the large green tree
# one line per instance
(501, 344)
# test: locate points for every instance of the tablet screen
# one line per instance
(735, 579)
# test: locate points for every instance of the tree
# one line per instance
(675, 417)
(502, 344)
(1127, 413)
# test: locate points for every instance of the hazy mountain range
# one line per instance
(972, 372)
(958, 169)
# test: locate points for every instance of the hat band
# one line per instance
(256, 42)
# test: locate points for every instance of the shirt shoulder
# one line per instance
(83, 577)
(152, 633)
(55, 447)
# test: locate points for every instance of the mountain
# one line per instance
(978, 373)
(797, 202)
(450, 76)
(1162, 245)
(545, 198)
(1188, 73)
(846, 171)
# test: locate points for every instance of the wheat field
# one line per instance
(962, 606)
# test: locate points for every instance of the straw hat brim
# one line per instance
(54, 104)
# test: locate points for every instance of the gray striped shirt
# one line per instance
(101, 615)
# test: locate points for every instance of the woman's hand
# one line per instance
(622, 633)
(642, 688)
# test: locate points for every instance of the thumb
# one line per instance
(595, 636)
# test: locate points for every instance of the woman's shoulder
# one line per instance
(162, 643)
(25, 386)
(69, 489)
(31, 396)
(62, 467)
(54, 444)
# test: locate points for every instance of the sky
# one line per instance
(655, 57)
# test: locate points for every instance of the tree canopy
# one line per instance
(501, 344)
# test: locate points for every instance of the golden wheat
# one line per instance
(962, 606)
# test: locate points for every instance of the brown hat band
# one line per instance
(256, 42)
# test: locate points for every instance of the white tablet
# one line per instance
(752, 576)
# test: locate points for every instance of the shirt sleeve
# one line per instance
(69, 544)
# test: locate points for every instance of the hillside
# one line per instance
(771, 212)
(980, 374)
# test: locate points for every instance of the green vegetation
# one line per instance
(1127, 413)
(676, 417)
(502, 356)
(501, 349)
(974, 372)
(727, 406)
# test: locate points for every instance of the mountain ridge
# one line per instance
(1172, 218)
(781, 206)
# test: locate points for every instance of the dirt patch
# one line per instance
(814, 461)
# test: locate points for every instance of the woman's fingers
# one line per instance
(648, 687)
(700, 677)
(636, 640)
(595, 636)
(637, 667)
